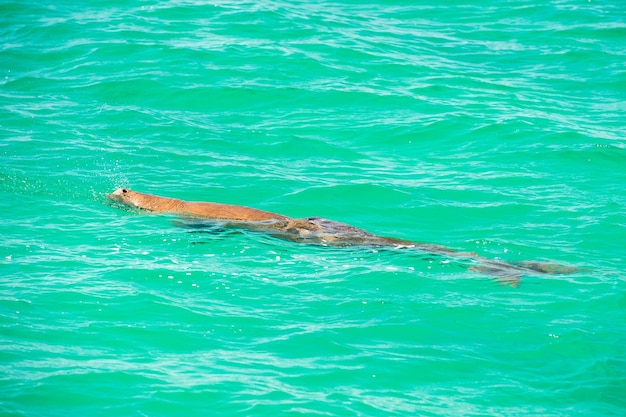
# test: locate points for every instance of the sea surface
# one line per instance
(493, 127)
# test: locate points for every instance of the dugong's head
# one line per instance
(126, 197)
(135, 200)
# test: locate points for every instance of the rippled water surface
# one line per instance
(490, 127)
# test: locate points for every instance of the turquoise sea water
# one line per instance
(495, 127)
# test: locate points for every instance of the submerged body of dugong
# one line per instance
(318, 230)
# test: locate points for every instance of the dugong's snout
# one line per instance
(118, 195)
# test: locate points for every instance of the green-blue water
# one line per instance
(495, 127)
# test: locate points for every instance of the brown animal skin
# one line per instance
(216, 211)
(324, 231)
(309, 230)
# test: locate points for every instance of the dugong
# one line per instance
(321, 231)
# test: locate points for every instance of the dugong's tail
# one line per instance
(546, 267)
(512, 272)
